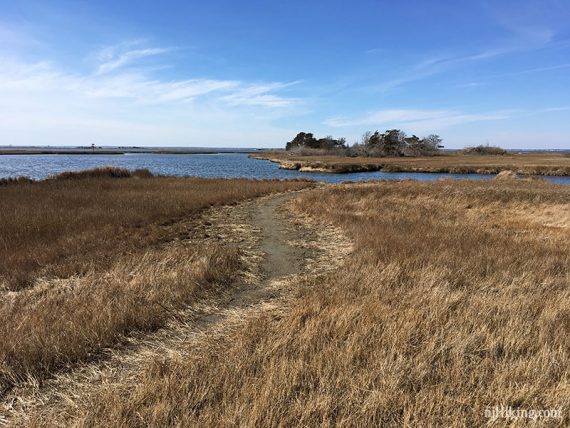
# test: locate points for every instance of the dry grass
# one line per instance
(69, 226)
(552, 164)
(62, 322)
(87, 258)
(453, 301)
(103, 172)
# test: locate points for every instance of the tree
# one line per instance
(433, 142)
(413, 146)
(427, 146)
(365, 139)
(302, 139)
(394, 142)
(390, 143)
(307, 140)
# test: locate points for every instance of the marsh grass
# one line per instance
(62, 322)
(455, 300)
(103, 172)
(88, 258)
(83, 221)
(528, 164)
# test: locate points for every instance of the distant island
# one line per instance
(394, 151)
(393, 142)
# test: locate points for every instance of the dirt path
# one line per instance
(280, 258)
(277, 251)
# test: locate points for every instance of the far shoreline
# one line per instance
(554, 164)
(50, 151)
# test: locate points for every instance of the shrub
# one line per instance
(484, 150)
(306, 140)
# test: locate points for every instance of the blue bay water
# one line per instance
(227, 165)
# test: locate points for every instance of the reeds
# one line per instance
(83, 221)
(87, 258)
(455, 300)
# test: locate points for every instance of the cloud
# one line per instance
(41, 103)
(43, 77)
(374, 51)
(113, 58)
(536, 70)
(16, 37)
(417, 120)
(555, 109)
(523, 38)
(438, 65)
(518, 73)
(529, 21)
(151, 91)
(471, 85)
(260, 95)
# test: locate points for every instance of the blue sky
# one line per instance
(253, 74)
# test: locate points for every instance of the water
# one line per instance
(228, 165)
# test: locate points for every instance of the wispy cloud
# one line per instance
(516, 73)
(151, 91)
(444, 61)
(15, 38)
(523, 41)
(438, 65)
(555, 109)
(530, 22)
(261, 95)
(135, 105)
(471, 85)
(137, 85)
(536, 70)
(114, 57)
(417, 120)
(374, 51)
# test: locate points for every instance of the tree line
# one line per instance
(393, 142)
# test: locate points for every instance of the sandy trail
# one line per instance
(280, 258)
(277, 252)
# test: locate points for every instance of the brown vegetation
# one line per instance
(62, 227)
(103, 172)
(483, 150)
(86, 258)
(550, 164)
(455, 300)
(64, 321)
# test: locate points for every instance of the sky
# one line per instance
(254, 73)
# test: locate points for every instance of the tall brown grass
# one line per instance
(103, 172)
(67, 226)
(65, 321)
(456, 299)
(86, 258)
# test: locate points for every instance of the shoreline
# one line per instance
(535, 164)
(115, 152)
